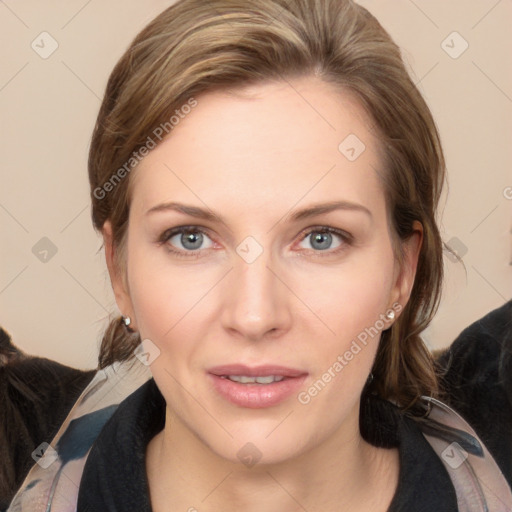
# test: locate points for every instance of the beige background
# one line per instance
(58, 308)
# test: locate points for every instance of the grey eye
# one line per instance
(189, 240)
(321, 240)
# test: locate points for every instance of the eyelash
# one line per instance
(346, 238)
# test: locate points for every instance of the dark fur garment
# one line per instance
(36, 395)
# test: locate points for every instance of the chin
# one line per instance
(254, 447)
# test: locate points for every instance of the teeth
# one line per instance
(259, 380)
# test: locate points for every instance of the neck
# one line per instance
(342, 473)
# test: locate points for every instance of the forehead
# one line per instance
(274, 141)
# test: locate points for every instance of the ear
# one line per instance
(119, 285)
(406, 271)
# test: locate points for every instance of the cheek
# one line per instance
(174, 305)
(353, 296)
(160, 292)
(351, 304)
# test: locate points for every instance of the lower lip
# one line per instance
(256, 396)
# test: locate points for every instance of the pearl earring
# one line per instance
(126, 320)
(390, 315)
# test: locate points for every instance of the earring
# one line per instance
(126, 320)
(370, 379)
(390, 315)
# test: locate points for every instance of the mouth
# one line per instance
(245, 379)
(240, 370)
(256, 387)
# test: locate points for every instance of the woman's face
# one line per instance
(275, 282)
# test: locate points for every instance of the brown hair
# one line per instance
(196, 46)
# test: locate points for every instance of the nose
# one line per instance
(256, 299)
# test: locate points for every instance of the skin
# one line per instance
(255, 157)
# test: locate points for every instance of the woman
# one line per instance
(265, 176)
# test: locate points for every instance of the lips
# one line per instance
(256, 371)
(256, 395)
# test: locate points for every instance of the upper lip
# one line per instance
(256, 371)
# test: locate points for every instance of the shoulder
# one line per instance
(36, 394)
(115, 470)
(424, 484)
(476, 377)
(85, 423)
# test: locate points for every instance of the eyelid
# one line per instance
(171, 232)
(328, 229)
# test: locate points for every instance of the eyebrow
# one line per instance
(312, 211)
